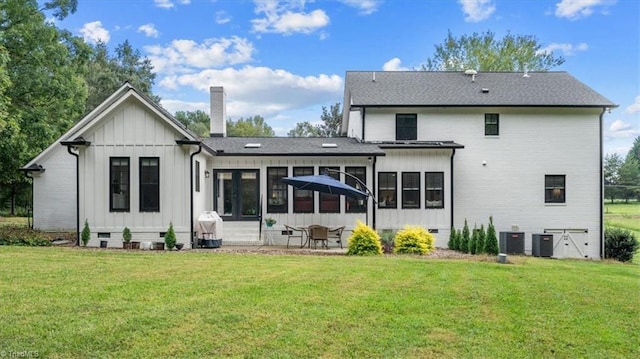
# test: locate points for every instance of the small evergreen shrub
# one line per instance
(473, 242)
(387, 240)
(620, 244)
(15, 235)
(364, 241)
(482, 234)
(126, 235)
(452, 239)
(464, 241)
(413, 240)
(85, 236)
(491, 242)
(170, 237)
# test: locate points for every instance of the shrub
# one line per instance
(170, 237)
(126, 235)
(413, 240)
(619, 244)
(491, 242)
(452, 239)
(387, 240)
(364, 241)
(473, 242)
(464, 240)
(85, 236)
(481, 239)
(16, 235)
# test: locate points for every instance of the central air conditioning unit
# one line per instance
(511, 242)
(542, 245)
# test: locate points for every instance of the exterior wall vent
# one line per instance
(329, 145)
(253, 145)
(485, 90)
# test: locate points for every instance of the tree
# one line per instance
(473, 241)
(464, 241)
(330, 126)
(197, 121)
(612, 164)
(46, 91)
(480, 244)
(304, 129)
(630, 177)
(251, 127)
(107, 73)
(491, 241)
(483, 52)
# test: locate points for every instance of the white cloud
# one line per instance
(185, 55)
(394, 65)
(261, 90)
(287, 17)
(366, 7)
(565, 49)
(222, 17)
(635, 107)
(477, 10)
(149, 30)
(168, 4)
(94, 32)
(575, 9)
(621, 129)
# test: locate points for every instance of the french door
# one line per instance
(236, 194)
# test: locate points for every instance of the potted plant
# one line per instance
(85, 236)
(170, 237)
(269, 222)
(126, 238)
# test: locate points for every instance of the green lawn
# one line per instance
(75, 302)
(624, 215)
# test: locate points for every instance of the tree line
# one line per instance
(622, 176)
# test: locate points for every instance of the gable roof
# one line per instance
(292, 146)
(447, 88)
(123, 93)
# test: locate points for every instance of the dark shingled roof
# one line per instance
(444, 88)
(291, 146)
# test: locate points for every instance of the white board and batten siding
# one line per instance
(132, 130)
(503, 176)
(295, 219)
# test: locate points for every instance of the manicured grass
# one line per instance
(13, 220)
(75, 302)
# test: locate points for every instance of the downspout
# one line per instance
(601, 186)
(373, 174)
(30, 219)
(364, 112)
(77, 156)
(191, 190)
(453, 153)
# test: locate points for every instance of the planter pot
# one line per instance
(103, 244)
(159, 246)
(135, 245)
(126, 245)
(146, 246)
(211, 243)
(179, 246)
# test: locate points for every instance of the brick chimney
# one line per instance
(218, 112)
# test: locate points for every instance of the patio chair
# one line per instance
(319, 233)
(295, 232)
(336, 234)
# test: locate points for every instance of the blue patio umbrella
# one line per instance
(326, 184)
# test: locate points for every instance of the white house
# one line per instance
(435, 148)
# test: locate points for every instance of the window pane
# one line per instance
(434, 189)
(119, 189)
(276, 190)
(353, 205)
(249, 193)
(491, 124)
(406, 126)
(330, 203)
(554, 189)
(197, 176)
(387, 190)
(303, 199)
(149, 184)
(410, 189)
(224, 193)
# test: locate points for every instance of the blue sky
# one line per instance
(284, 60)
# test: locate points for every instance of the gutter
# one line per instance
(28, 173)
(375, 205)
(604, 109)
(199, 144)
(453, 153)
(77, 142)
